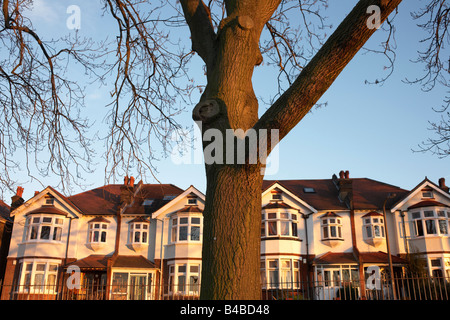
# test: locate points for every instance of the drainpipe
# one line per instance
(161, 266)
(305, 217)
(402, 215)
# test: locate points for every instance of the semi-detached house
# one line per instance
(144, 241)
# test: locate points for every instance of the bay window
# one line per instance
(37, 276)
(46, 228)
(430, 222)
(374, 227)
(331, 228)
(279, 224)
(186, 228)
(139, 232)
(184, 278)
(280, 273)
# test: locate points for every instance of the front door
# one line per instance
(137, 287)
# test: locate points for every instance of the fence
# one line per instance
(405, 288)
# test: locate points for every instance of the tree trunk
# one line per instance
(231, 236)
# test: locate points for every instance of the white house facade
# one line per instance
(144, 241)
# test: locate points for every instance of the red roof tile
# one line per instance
(367, 193)
(427, 203)
(133, 262)
(336, 258)
(92, 262)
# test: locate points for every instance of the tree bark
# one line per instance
(231, 233)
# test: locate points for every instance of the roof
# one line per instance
(379, 257)
(427, 203)
(336, 258)
(133, 262)
(349, 258)
(368, 194)
(105, 200)
(190, 209)
(4, 211)
(277, 205)
(48, 210)
(92, 262)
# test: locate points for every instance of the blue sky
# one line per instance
(369, 130)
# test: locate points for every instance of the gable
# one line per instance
(61, 204)
(179, 202)
(419, 197)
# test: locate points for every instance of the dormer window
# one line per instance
(192, 201)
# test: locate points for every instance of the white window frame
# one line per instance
(141, 228)
(30, 269)
(373, 223)
(188, 223)
(280, 273)
(329, 224)
(277, 219)
(184, 278)
(100, 228)
(425, 220)
(37, 222)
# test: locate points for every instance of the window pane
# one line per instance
(33, 233)
(431, 226)
(95, 239)
(443, 229)
(333, 233)
(47, 220)
(294, 229)
(57, 234)
(195, 233)
(369, 231)
(195, 220)
(271, 215)
(429, 213)
(272, 228)
(182, 268)
(184, 220)
(284, 226)
(53, 268)
(419, 228)
(144, 237)
(174, 234)
(284, 215)
(194, 269)
(45, 232)
(137, 236)
(183, 233)
(36, 220)
(377, 231)
(40, 267)
(325, 232)
(103, 238)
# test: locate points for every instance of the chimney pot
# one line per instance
(131, 181)
(347, 174)
(19, 192)
(442, 182)
(341, 174)
(125, 181)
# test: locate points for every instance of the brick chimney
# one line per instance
(345, 187)
(127, 190)
(17, 200)
(442, 185)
